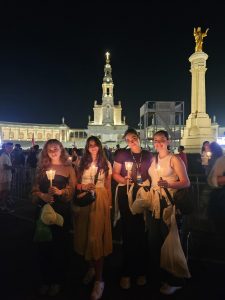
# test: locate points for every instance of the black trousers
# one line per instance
(157, 232)
(134, 238)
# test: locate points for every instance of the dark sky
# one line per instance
(52, 57)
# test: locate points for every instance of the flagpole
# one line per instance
(32, 141)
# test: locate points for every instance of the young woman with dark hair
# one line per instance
(133, 225)
(92, 225)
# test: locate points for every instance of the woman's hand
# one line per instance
(163, 183)
(88, 187)
(128, 178)
(53, 190)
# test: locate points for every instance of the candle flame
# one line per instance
(128, 165)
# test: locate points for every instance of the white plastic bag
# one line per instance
(172, 257)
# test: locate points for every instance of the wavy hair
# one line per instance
(86, 159)
(44, 161)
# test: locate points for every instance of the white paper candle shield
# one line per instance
(209, 154)
(128, 167)
(51, 175)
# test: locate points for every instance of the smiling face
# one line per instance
(93, 148)
(161, 142)
(132, 141)
(54, 152)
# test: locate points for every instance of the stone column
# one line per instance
(198, 125)
(198, 69)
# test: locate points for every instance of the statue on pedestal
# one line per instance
(199, 35)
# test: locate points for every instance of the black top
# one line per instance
(59, 205)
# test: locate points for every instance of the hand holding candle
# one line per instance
(128, 166)
(51, 175)
(209, 154)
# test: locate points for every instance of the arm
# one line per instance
(221, 180)
(178, 165)
(180, 169)
(108, 188)
(83, 187)
(116, 173)
(37, 195)
(67, 192)
(216, 176)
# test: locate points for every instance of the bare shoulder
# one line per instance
(175, 159)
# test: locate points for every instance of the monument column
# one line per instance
(198, 125)
(198, 70)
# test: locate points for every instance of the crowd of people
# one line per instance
(56, 177)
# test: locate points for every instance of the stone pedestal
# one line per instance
(198, 125)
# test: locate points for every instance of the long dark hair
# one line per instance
(86, 159)
(203, 145)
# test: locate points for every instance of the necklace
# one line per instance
(138, 166)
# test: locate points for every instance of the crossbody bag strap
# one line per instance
(96, 176)
(169, 196)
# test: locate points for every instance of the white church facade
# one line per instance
(107, 124)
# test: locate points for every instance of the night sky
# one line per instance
(52, 57)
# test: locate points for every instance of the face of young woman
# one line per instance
(93, 148)
(207, 147)
(160, 142)
(132, 141)
(54, 152)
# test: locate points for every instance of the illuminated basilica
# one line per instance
(108, 124)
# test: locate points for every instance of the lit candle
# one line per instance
(51, 176)
(128, 166)
(208, 154)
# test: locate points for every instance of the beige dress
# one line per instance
(92, 224)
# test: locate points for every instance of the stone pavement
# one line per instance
(20, 278)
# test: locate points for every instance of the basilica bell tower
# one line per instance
(108, 123)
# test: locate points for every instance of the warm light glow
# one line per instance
(221, 140)
(209, 154)
(128, 165)
(107, 55)
(51, 175)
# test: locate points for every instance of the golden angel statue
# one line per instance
(199, 35)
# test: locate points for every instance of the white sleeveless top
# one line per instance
(89, 175)
(162, 169)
